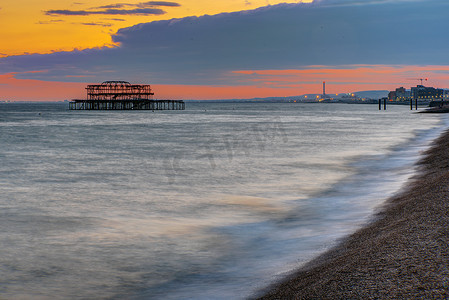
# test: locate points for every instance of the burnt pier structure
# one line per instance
(122, 95)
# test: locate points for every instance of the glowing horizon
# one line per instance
(269, 83)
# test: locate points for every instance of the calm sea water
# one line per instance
(214, 202)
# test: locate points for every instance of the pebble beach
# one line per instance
(402, 254)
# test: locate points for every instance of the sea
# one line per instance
(214, 202)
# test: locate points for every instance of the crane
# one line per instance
(421, 79)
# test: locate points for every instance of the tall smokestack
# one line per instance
(324, 89)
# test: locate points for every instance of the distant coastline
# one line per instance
(422, 104)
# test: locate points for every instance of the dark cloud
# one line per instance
(65, 12)
(160, 3)
(50, 22)
(117, 5)
(140, 5)
(96, 24)
(114, 19)
(294, 35)
(137, 11)
(203, 50)
(142, 8)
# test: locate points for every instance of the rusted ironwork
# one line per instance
(140, 104)
(119, 90)
(122, 95)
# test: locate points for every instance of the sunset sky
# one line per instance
(221, 49)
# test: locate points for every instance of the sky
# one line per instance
(221, 49)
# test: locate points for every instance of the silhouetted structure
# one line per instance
(324, 96)
(122, 95)
(119, 90)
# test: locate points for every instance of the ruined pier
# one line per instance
(121, 95)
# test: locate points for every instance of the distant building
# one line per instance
(400, 94)
(446, 94)
(392, 95)
(421, 92)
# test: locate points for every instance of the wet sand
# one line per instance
(402, 254)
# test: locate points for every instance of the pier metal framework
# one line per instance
(127, 105)
(119, 90)
(122, 95)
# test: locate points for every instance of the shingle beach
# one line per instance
(402, 254)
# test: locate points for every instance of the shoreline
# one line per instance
(402, 253)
